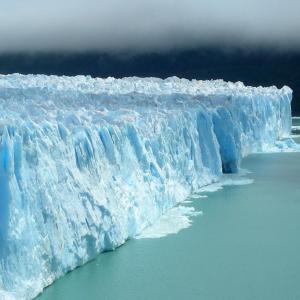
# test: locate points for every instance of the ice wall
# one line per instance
(87, 163)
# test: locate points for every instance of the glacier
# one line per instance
(87, 163)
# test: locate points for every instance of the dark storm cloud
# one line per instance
(152, 25)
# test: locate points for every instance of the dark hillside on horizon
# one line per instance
(256, 68)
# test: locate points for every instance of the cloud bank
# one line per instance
(147, 26)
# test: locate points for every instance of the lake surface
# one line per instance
(245, 245)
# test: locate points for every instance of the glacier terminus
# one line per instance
(87, 163)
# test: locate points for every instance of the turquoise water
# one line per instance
(296, 121)
(246, 245)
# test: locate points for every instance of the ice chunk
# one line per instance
(174, 220)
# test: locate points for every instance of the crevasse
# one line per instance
(87, 163)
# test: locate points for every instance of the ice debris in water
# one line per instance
(174, 220)
(87, 163)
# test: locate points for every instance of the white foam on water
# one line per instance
(226, 180)
(197, 196)
(176, 219)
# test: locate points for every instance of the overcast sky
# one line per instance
(152, 25)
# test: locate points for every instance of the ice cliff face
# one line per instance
(87, 163)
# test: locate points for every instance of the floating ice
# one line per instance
(87, 163)
(225, 180)
(174, 220)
